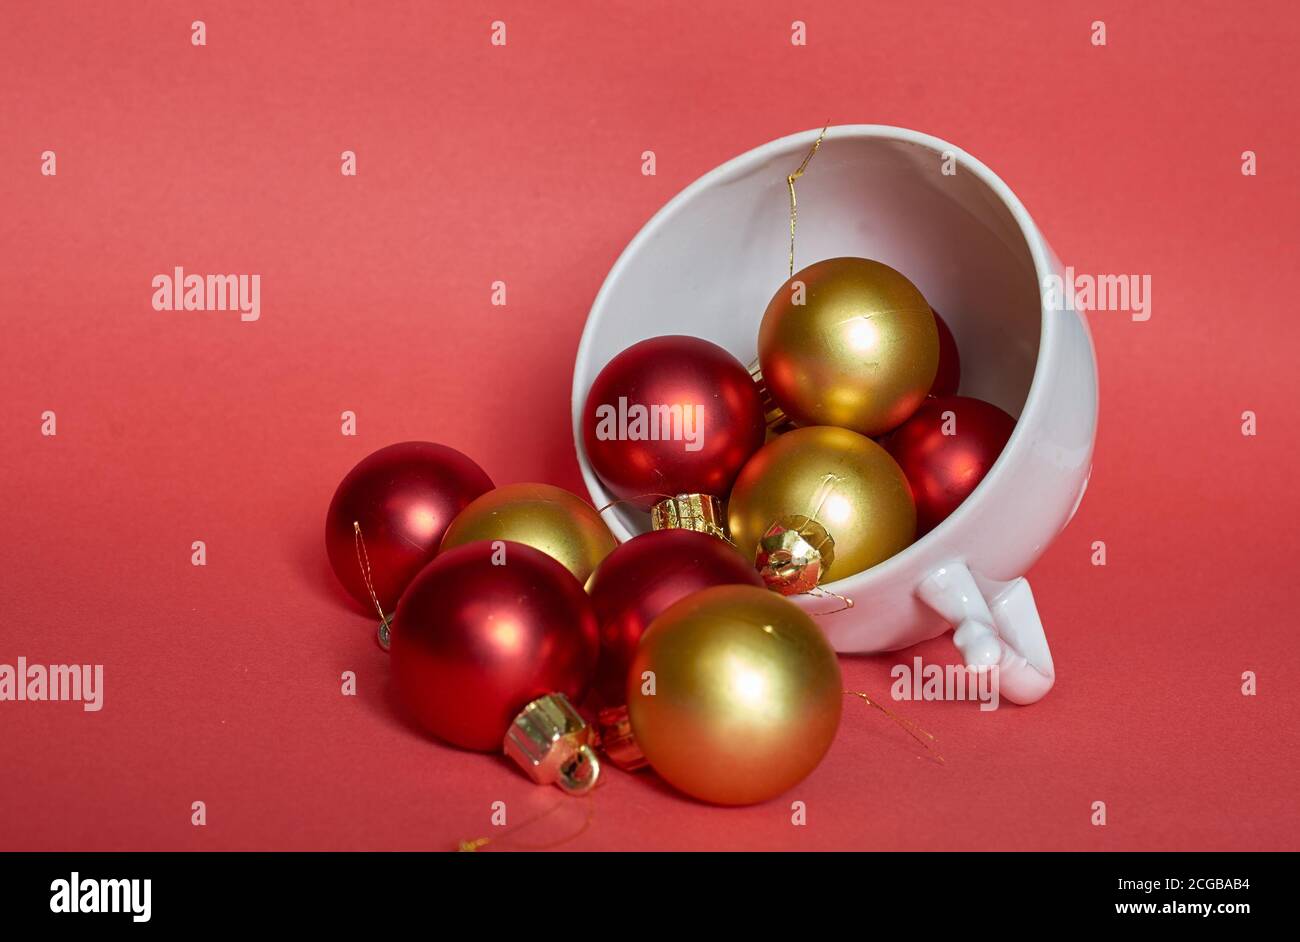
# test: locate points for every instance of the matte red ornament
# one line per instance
(942, 468)
(948, 377)
(402, 497)
(672, 415)
(643, 577)
(485, 629)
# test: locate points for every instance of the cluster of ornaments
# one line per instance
(846, 444)
(516, 622)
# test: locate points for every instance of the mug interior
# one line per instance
(710, 261)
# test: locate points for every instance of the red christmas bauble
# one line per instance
(945, 449)
(672, 415)
(483, 630)
(643, 577)
(403, 497)
(948, 377)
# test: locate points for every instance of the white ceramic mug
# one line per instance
(708, 263)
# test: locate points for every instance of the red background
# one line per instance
(522, 163)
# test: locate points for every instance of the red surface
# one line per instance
(522, 164)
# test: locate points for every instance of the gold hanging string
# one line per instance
(363, 560)
(480, 842)
(815, 504)
(824, 593)
(633, 500)
(924, 738)
(819, 498)
(794, 210)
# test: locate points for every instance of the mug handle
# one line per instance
(996, 623)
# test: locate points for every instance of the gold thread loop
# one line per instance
(363, 560)
(824, 593)
(925, 738)
(471, 846)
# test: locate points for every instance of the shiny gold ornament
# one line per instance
(561, 525)
(848, 342)
(552, 743)
(842, 496)
(734, 695)
(699, 512)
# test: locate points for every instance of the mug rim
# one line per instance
(1038, 250)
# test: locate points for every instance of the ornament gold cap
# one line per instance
(384, 633)
(776, 420)
(699, 512)
(614, 727)
(794, 555)
(552, 743)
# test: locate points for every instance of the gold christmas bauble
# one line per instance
(825, 492)
(734, 695)
(561, 525)
(848, 342)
